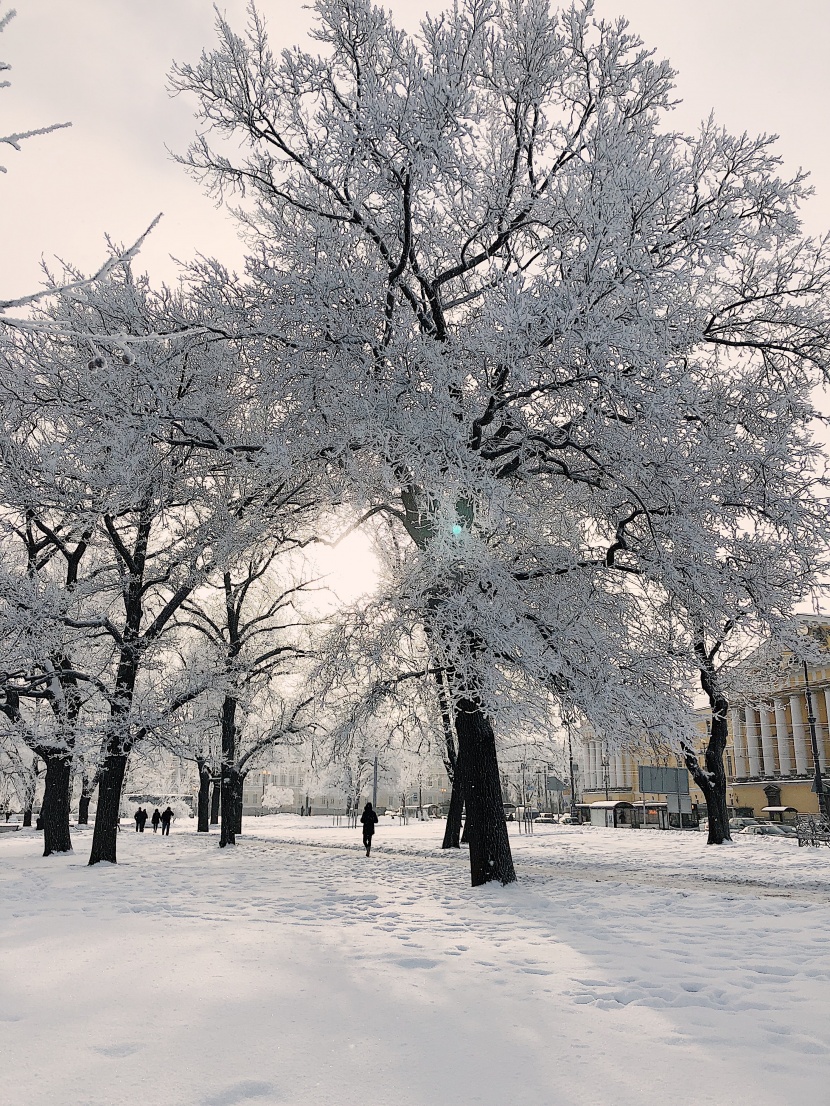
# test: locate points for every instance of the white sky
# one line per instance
(102, 64)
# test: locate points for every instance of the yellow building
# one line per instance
(606, 772)
(771, 735)
(769, 756)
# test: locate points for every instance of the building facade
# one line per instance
(779, 712)
(778, 728)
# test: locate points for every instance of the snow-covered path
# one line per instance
(279, 973)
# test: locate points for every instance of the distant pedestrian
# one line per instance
(137, 817)
(143, 821)
(166, 817)
(155, 820)
(369, 820)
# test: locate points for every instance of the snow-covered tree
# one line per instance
(494, 292)
(14, 140)
(276, 796)
(87, 390)
(258, 634)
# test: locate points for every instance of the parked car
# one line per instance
(786, 829)
(546, 819)
(770, 830)
(740, 823)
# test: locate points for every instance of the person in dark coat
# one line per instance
(166, 817)
(369, 821)
(143, 821)
(155, 820)
(137, 817)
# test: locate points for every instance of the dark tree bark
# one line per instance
(465, 829)
(490, 856)
(452, 829)
(30, 792)
(105, 834)
(83, 809)
(203, 820)
(216, 795)
(711, 779)
(232, 782)
(88, 785)
(56, 804)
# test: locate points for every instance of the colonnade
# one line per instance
(600, 762)
(773, 737)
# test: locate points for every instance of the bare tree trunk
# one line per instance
(56, 804)
(465, 829)
(232, 782)
(216, 795)
(88, 785)
(237, 803)
(203, 809)
(83, 809)
(452, 829)
(105, 834)
(29, 792)
(490, 856)
(712, 779)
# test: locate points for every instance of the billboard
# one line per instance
(656, 780)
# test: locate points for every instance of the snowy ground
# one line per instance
(624, 967)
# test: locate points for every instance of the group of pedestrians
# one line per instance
(368, 820)
(165, 818)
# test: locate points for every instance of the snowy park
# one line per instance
(414, 553)
(620, 966)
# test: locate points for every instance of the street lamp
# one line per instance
(811, 721)
(568, 720)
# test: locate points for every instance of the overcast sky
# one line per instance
(102, 64)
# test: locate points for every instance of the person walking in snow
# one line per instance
(155, 820)
(143, 821)
(369, 820)
(137, 817)
(166, 817)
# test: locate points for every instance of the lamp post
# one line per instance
(571, 766)
(811, 721)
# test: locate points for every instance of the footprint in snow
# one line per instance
(240, 1092)
(117, 1051)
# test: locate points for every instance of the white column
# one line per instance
(738, 743)
(822, 733)
(582, 761)
(766, 740)
(799, 735)
(752, 749)
(619, 777)
(782, 737)
(591, 775)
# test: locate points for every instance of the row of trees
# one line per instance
(557, 358)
